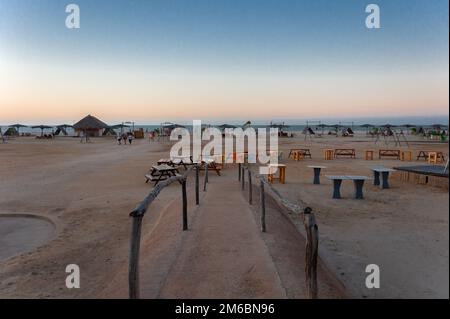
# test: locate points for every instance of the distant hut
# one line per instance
(90, 126)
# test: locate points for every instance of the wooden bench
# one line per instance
(303, 152)
(389, 153)
(344, 152)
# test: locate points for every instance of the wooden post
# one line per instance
(240, 168)
(206, 177)
(185, 217)
(243, 177)
(133, 268)
(263, 206)
(312, 246)
(197, 186)
(250, 194)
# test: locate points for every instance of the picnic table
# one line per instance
(317, 170)
(424, 155)
(358, 181)
(210, 164)
(165, 161)
(182, 160)
(389, 153)
(160, 172)
(385, 176)
(345, 152)
(305, 152)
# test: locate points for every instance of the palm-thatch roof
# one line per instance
(90, 123)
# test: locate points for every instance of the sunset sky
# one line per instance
(154, 60)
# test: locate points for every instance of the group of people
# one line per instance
(124, 137)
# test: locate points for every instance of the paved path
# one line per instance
(224, 254)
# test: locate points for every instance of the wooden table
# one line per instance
(368, 155)
(160, 172)
(406, 155)
(425, 155)
(385, 176)
(281, 168)
(317, 170)
(358, 181)
(389, 153)
(304, 152)
(345, 152)
(328, 154)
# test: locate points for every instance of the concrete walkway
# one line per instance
(224, 255)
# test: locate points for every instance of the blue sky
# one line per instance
(213, 53)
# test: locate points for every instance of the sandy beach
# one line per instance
(86, 192)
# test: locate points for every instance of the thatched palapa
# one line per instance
(90, 126)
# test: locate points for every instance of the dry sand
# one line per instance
(404, 229)
(87, 191)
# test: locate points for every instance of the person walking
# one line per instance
(130, 138)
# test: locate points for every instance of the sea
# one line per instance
(290, 125)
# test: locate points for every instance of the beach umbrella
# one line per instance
(225, 126)
(322, 126)
(42, 128)
(280, 126)
(174, 126)
(247, 124)
(119, 126)
(18, 126)
(367, 126)
(65, 126)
